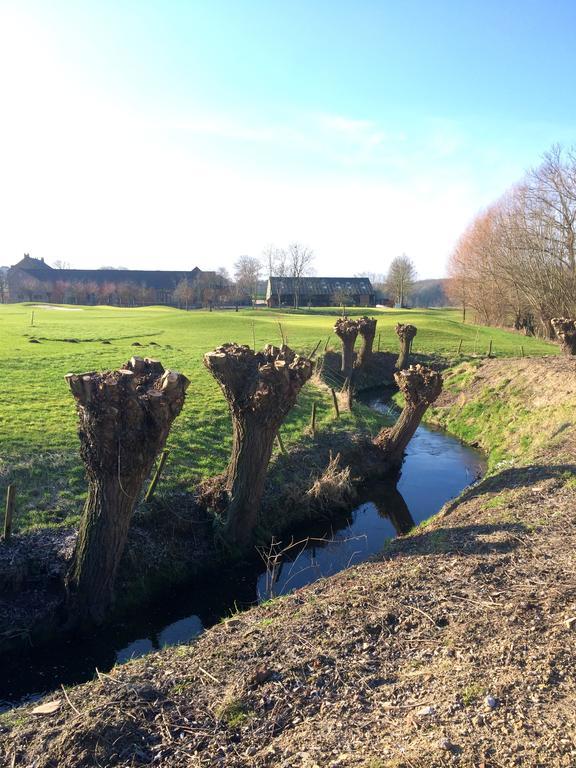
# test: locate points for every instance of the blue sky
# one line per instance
(167, 134)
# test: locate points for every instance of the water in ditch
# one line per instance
(437, 467)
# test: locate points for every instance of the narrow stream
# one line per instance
(437, 468)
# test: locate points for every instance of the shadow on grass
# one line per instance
(513, 478)
(481, 539)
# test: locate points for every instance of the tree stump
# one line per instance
(124, 419)
(367, 330)
(565, 330)
(405, 333)
(420, 387)
(261, 388)
(347, 331)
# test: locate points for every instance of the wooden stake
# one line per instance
(156, 478)
(335, 400)
(10, 500)
(459, 347)
(313, 419)
(490, 349)
(326, 345)
(521, 351)
(32, 319)
(281, 333)
(280, 443)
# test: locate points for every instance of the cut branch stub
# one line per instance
(406, 334)
(260, 388)
(124, 420)
(347, 331)
(565, 330)
(367, 330)
(421, 387)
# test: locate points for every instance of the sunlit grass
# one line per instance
(38, 442)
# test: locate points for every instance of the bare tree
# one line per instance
(275, 261)
(261, 388)
(184, 292)
(400, 278)
(3, 286)
(60, 264)
(124, 420)
(299, 262)
(247, 273)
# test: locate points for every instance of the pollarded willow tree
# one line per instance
(367, 331)
(347, 331)
(420, 386)
(406, 334)
(124, 420)
(565, 330)
(261, 388)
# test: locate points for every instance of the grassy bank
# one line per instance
(38, 443)
(456, 648)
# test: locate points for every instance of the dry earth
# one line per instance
(456, 647)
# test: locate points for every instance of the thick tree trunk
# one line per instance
(565, 330)
(261, 389)
(347, 331)
(367, 330)
(405, 333)
(125, 417)
(420, 387)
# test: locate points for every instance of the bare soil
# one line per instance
(456, 647)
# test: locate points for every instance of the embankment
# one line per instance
(456, 647)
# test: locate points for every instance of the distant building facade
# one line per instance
(320, 292)
(34, 280)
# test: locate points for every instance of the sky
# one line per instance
(165, 135)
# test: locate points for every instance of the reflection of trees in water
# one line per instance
(390, 504)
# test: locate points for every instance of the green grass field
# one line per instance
(38, 442)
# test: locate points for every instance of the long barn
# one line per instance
(319, 292)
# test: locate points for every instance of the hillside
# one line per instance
(456, 647)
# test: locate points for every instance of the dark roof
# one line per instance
(36, 265)
(321, 286)
(158, 279)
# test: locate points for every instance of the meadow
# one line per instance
(38, 441)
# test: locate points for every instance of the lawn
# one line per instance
(38, 442)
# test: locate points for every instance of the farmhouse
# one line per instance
(319, 291)
(34, 280)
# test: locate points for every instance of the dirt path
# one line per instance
(456, 647)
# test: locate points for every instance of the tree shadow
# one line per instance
(481, 539)
(510, 479)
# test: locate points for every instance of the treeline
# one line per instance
(516, 262)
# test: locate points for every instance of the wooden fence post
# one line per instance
(490, 349)
(459, 347)
(313, 419)
(335, 400)
(10, 500)
(156, 478)
(521, 351)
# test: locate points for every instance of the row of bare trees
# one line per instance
(516, 262)
(124, 420)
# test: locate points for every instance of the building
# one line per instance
(320, 292)
(33, 280)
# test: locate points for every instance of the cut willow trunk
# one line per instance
(367, 330)
(124, 419)
(260, 388)
(347, 331)
(565, 330)
(406, 334)
(420, 387)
